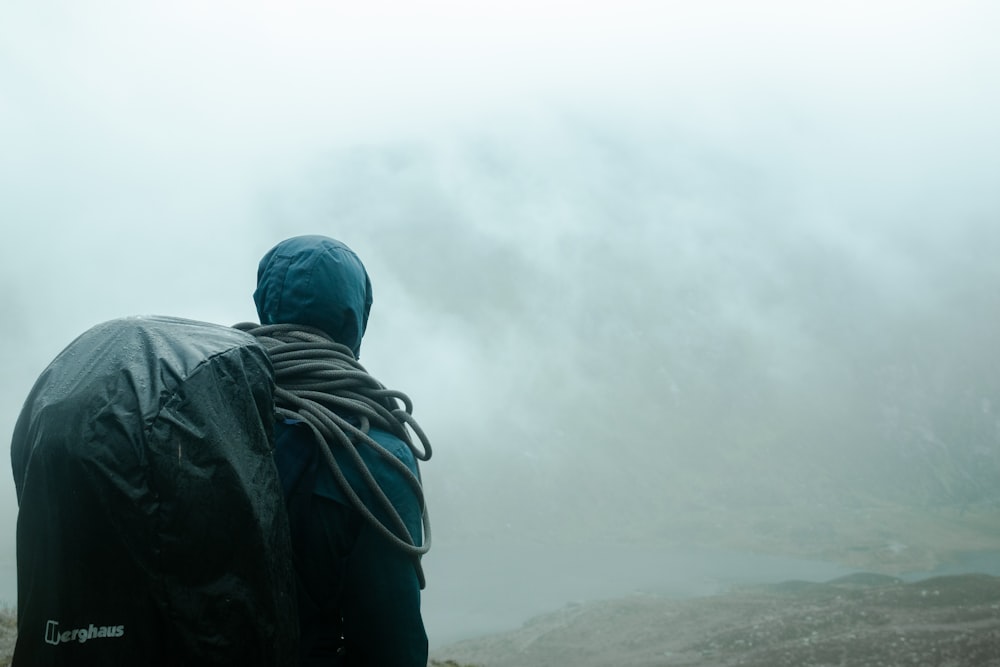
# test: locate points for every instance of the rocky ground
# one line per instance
(863, 621)
(8, 633)
(858, 621)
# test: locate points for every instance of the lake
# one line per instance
(477, 589)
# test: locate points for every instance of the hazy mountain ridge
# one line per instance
(688, 331)
(670, 340)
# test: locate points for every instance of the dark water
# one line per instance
(480, 589)
(981, 562)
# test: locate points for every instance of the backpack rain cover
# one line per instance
(151, 527)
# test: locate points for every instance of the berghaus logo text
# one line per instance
(81, 635)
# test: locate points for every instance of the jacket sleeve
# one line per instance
(382, 620)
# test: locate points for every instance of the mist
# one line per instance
(651, 273)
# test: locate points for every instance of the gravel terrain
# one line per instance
(864, 620)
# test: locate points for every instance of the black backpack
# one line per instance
(151, 526)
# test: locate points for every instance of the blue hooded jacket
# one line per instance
(352, 582)
(317, 281)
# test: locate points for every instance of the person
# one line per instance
(346, 460)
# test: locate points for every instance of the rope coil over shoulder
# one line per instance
(320, 383)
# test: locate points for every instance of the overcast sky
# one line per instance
(516, 175)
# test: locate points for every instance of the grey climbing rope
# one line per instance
(321, 384)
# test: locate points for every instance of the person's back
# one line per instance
(347, 466)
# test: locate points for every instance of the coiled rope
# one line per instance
(320, 383)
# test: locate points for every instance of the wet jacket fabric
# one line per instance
(150, 528)
(358, 596)
(316, 281)
(351, 580)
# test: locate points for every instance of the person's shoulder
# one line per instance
(394, 445)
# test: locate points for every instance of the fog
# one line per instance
(641, 266)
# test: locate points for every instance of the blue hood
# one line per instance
(316, 281)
